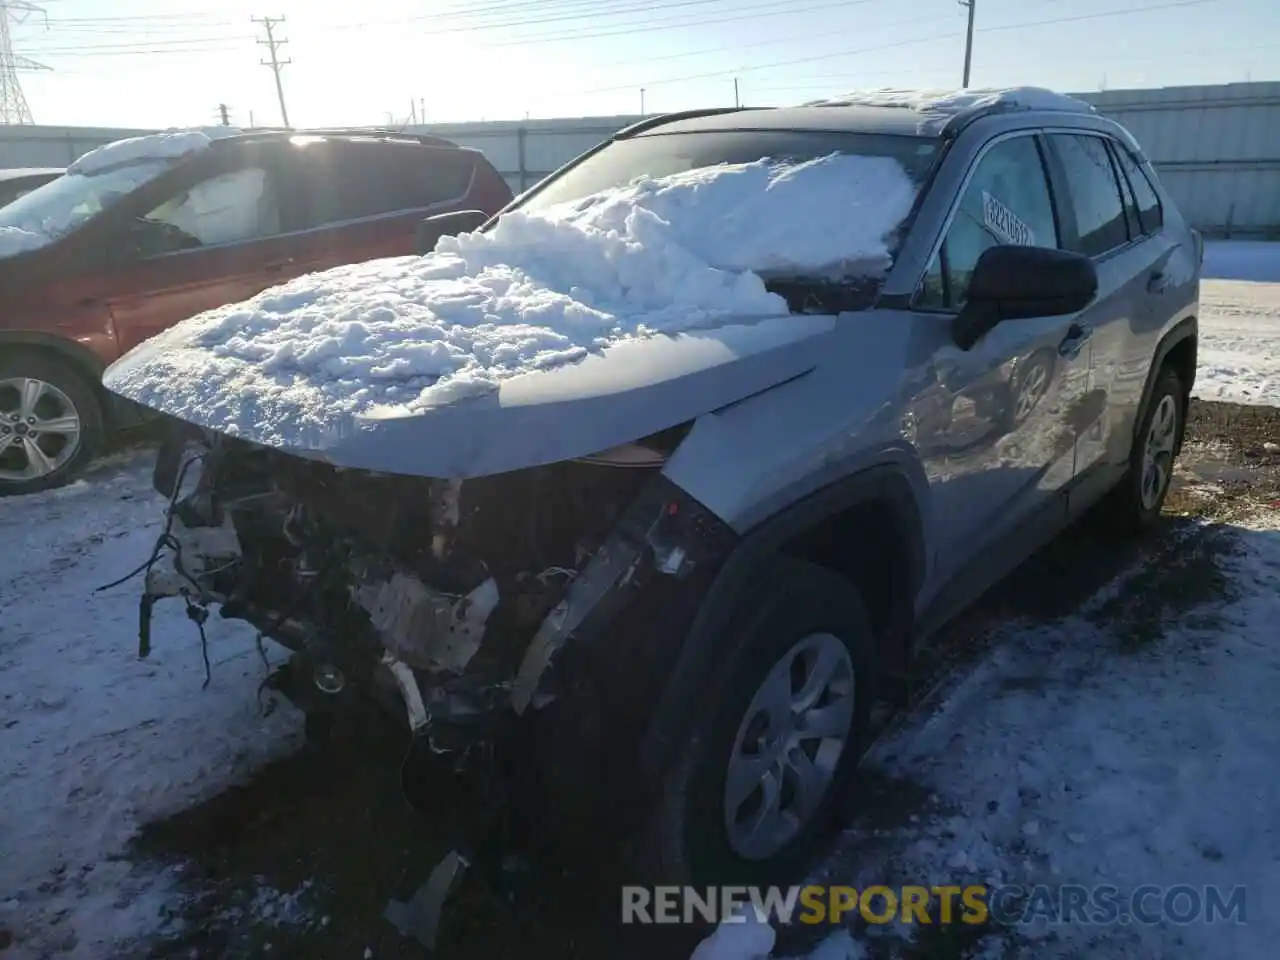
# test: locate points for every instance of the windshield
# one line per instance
(658, 155)
(55, 209)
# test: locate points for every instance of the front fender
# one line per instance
(890, 485)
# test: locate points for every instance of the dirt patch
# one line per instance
(1182, 579)
(337, 821)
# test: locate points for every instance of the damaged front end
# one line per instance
(445, 599)
(450, 603)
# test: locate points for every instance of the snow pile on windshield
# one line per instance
(661, 255)
(937, 106)
(169, 145)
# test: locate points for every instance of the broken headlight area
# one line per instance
(448, 601)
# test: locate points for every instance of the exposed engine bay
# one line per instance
(445, 599)
(453, 604)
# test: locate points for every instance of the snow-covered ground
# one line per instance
(1068, 758)
(94, 741)
(1240, 323)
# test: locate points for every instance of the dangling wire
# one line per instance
(166, 538)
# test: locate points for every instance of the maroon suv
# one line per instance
(98, 260)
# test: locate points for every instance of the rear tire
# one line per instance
(1134, 506)
(800, 620)
(51, 422)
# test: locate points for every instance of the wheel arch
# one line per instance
(116, 411)
(882, 497)
(1177, 348)
(79, 356)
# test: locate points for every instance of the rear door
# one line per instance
(1101, 221)
(363, 199)
(215, 239)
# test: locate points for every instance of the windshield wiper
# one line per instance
(809, 295)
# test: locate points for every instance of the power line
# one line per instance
(843, 80)
(276, 64)
(899, 43)
(772, 8)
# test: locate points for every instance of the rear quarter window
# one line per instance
(1150, 212)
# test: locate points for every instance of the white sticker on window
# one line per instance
(1005, 224)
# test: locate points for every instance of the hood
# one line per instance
(622, 393)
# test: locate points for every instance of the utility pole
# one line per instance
(276, 64)
(642, 101)
(968, 39)
(224, 115)
(736, 101)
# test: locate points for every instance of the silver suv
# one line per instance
(654, 594)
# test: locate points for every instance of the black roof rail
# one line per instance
(970, 115)
(649, 123)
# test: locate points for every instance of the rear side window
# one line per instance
(1007, 201)
(1150, 213)
(1094, 194)
(351, 181)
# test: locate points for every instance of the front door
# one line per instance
(216, 242)
(994, 424)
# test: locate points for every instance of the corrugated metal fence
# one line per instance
(1217, 147)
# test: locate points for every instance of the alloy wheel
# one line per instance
(39, 429)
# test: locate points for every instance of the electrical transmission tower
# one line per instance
(275, 63)
(13, 103)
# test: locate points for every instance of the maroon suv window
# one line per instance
(350, 180)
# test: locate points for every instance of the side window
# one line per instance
(357, 180)
(1126, 196)
(1095, 194)
(1150, 214)
(229, 208)
(1006, 202)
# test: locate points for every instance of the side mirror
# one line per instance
(1016, 282)
(446, 225)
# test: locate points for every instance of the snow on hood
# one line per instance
(403, 335)
(168, 145)
(15, 240)
(937, 106)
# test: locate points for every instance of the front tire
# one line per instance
(752, 795)
(1134, 505)
(51, 423)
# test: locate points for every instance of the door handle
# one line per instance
(86, 302)
(1155, 281)
(1077, 335)
(277, 265)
